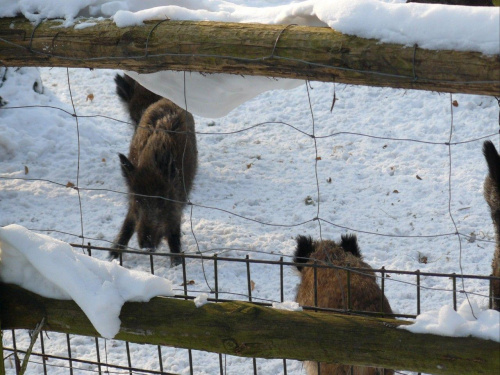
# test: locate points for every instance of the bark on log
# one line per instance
(312, 53)
(243, 329)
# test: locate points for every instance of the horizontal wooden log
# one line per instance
(244, 329)
(312, 53)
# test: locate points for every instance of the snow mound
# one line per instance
(462, 323)
(51, 268)
(287, 305)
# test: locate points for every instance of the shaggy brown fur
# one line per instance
(492, 196)
(162, 162)
(332, 289)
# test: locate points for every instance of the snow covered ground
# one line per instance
(379, 166)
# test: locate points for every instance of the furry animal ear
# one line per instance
(349, 242)
(127, 167)
(305, 247)
(493, 160)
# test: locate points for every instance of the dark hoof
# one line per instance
(175, 261)
(113, 255)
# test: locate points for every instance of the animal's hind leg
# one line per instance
(126, 233)
(174, 243)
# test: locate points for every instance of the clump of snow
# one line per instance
(124, 18)
(226, 91)
(287, 305)
(467, 321)
(84, 25)
(201, 299)
(51, 268)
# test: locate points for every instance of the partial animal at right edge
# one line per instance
(492, 196)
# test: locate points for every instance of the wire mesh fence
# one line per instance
(229, 272)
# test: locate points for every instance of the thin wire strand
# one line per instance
(78, 157)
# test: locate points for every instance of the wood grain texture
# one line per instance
(301, 52)
(244, 329)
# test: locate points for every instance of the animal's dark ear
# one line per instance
(493, 160)
(127, 166)
(305, 247)
(124, 87)
(350, 244)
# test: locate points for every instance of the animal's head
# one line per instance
(155, 201)
(325, 250)
(492, 181)
(135, 96)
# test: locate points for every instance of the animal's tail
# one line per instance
(124, 88)
(305, 247)
(493, 161)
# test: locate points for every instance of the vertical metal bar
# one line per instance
(184, 277)
(216, 281)
(17, 362)
(349, 304)
(282, 299)
(454, 279)
(315, 272)
(128, 357)
(282, 291)
(43, 353)
(98, 354)
(151, 264)
(249, 283)
(152, 269)
(418, 291)
(190, 354)
(490, 303)
(69, 355)
(160, 359)
(382, 286)
(221, 368)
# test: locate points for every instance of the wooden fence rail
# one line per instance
(244, 329)
(312, 53)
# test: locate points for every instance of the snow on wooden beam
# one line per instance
(301, 52)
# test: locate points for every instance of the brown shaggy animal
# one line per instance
(332, 289)
(159, 173)
(492, 196)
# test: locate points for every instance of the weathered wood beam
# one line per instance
(243, 329)
(313, 53)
